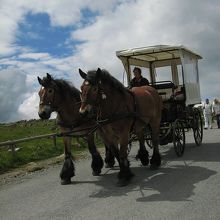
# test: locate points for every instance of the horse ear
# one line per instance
(39, 80)
(82, 74)
(49, 77)
(98, 73)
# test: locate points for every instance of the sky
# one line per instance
(59, 37)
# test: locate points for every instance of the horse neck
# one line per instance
(115, 102)
(69, 109)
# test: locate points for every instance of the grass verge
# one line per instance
(34, 150)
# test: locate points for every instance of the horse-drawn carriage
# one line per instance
(173, 72)
(159, 114)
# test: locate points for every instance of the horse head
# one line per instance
(91, 90)
(47, 96)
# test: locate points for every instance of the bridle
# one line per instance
(49, 103)
(100, 93)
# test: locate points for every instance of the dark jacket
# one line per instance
(137, 83)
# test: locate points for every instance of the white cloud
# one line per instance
(120, 24)
(61, 13)
(29, 107)
(142, 23)
(12, 91)
(34, 56)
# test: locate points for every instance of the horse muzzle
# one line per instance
(45, 112)
(85, 108)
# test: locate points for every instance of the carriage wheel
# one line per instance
(178, 138)
(197, 127)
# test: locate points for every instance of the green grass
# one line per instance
(34, 150)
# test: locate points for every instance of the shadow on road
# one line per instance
(207, 152)
(169, 183)
(176, 183)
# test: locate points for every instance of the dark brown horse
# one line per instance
(127, 111)
(57, 95)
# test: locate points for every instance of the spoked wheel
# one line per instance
(197, 127)
(178, 138)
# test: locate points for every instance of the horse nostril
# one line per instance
(43, 115)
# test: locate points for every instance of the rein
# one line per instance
(97, 125)
(101, 121)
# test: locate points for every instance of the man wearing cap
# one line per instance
(138, 79)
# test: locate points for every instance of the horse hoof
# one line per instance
(109, 165)
(143, 157)
(144, 163)
(65, 181)
(96, 173)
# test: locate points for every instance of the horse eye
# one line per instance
(50, 90)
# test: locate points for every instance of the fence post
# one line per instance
(13, 146)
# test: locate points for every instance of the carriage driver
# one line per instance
(138, 79)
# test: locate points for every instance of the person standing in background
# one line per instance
(207, 112)
(216, 111)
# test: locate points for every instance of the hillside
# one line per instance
(32, 150)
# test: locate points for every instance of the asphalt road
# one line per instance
(183, 188)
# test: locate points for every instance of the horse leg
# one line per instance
(155, 160)
(142, 154)
(109, 157)
(125, 174)
(97, 161)
(68, 169)
(111, 150)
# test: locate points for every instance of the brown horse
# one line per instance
(59, 96)
(127, 111)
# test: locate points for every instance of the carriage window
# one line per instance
(190, 69)
(163, 74)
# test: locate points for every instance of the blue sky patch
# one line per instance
(37, 33)
(88, 16)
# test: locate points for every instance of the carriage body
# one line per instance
(173, 72)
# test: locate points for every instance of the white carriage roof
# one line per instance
(156, 53)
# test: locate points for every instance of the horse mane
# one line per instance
(66, 87)
(107, 78)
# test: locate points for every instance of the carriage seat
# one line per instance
(179, 94)
(165, 89)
